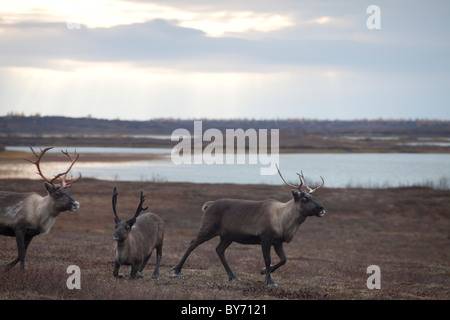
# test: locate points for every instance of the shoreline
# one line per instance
(9, 155)
(16, 156)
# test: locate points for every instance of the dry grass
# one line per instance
(404, 231)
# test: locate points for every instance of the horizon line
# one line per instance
(170, 118)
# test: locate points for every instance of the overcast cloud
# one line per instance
(234, 59)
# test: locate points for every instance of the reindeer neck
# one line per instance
(46, 214)
(126, 248)
(292, 213)
(292, 219)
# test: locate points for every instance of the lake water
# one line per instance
(367, 170)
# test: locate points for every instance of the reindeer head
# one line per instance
(62, 199)
(123, 228)
(303, 198)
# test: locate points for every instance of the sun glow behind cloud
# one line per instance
(107, 14)
(223, 22)
(105, 89)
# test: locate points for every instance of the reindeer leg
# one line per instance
(266, 245)
(134, 270)
(22, 241)
(201, 237)
(116, 270)
(223, 245)
(142, 266)
(280, 252)
(158, 260)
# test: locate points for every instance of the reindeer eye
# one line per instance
(58, 194)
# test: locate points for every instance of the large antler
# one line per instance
(62, 175)
(306, 184)
(302, 179)
(37, 161)
(290, 185)
(73, 159)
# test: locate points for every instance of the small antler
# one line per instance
(114, 202)
(62, 175)
(139, 208)
(302, 179)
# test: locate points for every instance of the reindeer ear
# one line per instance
(297, 195)
(49, 187)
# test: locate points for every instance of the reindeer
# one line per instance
(136, 238)
(268, 223)
(25, 215)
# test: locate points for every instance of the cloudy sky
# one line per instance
(262, 59)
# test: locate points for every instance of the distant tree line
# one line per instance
(14, 124)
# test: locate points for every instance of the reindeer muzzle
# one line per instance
(321, 213)
(75, 206)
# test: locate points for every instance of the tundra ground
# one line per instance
(404, 231)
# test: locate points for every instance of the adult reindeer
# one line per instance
(25, 215)
(268, 223)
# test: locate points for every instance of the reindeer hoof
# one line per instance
(271, 284)
(156, 276)
(139, 275)
(176, 272)
(177, 275)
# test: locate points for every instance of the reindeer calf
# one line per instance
(136, 238)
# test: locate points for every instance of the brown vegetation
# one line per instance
(404, 231)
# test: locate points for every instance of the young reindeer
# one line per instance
(268, 223)
(25, 215)
(136, 238)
